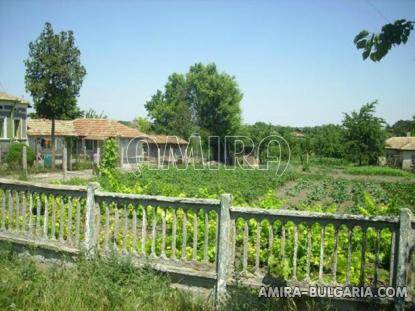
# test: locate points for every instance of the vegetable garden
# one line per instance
(266, 190)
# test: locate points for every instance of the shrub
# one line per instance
(14, 156)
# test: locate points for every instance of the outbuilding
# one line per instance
(400, 152)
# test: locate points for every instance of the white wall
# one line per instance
(408, 156)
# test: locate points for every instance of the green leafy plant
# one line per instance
(376, 46)
(15, 154)
(110, 156)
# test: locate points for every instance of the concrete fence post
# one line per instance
(223, 249)
(404, 245)
(90, 219)
(24, 160)
(64, 162)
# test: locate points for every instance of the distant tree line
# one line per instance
(198, 102)
(359, 139)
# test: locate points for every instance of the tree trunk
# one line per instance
(53, 143)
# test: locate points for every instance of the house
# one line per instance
(400, 152)
(297, 134)
(38, 132)
(13, 115)
(83, 137)
(163, 148)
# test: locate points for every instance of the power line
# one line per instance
(385, 18)
(378, 11)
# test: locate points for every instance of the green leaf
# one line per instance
(361, 44)
(360, 36)
(366, 54)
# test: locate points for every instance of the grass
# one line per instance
(100, 284)
(112, 283)
(377, 170)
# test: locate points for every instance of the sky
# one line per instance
(294, 61)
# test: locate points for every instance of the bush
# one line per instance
(14, 156)
(377, 170)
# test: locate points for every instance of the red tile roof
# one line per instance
(103, 128)
(96, 129)
(42, 127)
(163, 139)
(88, 128)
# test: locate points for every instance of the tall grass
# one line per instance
(100, 284)
(114, 283)
(377, 170)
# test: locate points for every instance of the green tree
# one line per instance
(215, 97)
(326, 141)
(376, 46)
(54, 76)
(364, 135)
(170, 110)
(258, 132)
(203, 100)
(143, 124)
(14, 156)
(402, 127)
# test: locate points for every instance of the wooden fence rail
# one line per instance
(211, 239)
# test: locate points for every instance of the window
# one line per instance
(88, 144)
(2, 128)
(17, 133)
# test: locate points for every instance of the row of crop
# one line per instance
(389, 196)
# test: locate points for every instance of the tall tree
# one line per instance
(54, 76)
(364, 135)
(376, 46)
(203, 100)
(170, 110)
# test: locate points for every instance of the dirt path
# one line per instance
(49, 177)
